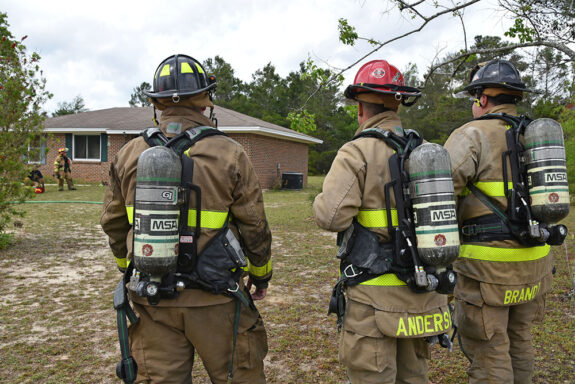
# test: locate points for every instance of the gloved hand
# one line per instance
(261, 290)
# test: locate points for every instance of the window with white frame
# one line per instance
(37, 150)
(87, 147)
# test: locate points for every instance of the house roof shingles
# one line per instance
(133, 120)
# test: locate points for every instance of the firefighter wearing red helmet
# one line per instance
(501, 286)
(62, 170)
(230, 338)
(380, 341)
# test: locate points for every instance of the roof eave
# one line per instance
(292, 136)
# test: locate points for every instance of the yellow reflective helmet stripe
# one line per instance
(502, 255)
(260, 271)
(376, 218)
(200, 69)
(185, 68)
(209, 219)
(387, 280)
(490, 188)
(165, 70)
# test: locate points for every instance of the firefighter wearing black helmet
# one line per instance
(167, 335)
(380, 341)
(501, 282)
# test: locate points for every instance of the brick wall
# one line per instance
(89, 171)
(265, 153)
(269, 153)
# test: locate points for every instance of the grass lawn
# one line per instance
(57, 324)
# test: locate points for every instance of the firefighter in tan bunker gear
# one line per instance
(62, 170)
(385, 323)
(167, 335)
(500, 292)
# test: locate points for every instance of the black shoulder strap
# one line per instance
(514, 152)
(186, 139)
(515, 121)
(400, 144)
(154, 137)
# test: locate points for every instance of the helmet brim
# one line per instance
(390, 89)
(182, 93)
(490, 84)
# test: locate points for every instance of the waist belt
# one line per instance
(485, 228)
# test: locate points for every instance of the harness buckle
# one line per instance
(234, 290)
(350, 272)
(470, 230)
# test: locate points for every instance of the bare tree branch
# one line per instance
(419, 29)
(402, 5)
(549, 24)
(464, 55)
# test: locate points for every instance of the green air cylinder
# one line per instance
(156, 212)
(546, 170)
(432, 198)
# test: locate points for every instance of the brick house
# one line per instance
(94, 137)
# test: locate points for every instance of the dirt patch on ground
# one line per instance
(57, 324)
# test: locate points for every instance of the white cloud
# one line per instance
(102, 50)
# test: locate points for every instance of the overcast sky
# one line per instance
(101, 50)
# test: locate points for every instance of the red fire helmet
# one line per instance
(378, 76)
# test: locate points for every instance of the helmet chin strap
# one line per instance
(155, 117)
(213, 117)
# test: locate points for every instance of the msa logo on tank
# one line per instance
(555, 176)
(443, 214)
(166, 224)
(426, 215)
(153, 224)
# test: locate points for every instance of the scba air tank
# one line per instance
(156, 212)
(432, 198)
(546, 170)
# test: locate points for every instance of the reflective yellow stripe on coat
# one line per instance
(378, 219)
(122, 262)
(262, 271)
(503, 255)
(490, 188)
(209, 219)
(387, 280)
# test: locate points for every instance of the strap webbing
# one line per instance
(127, 369)
(488, 202)
(186, 139)
(154, 137)
(337, 301)
(235, 337)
